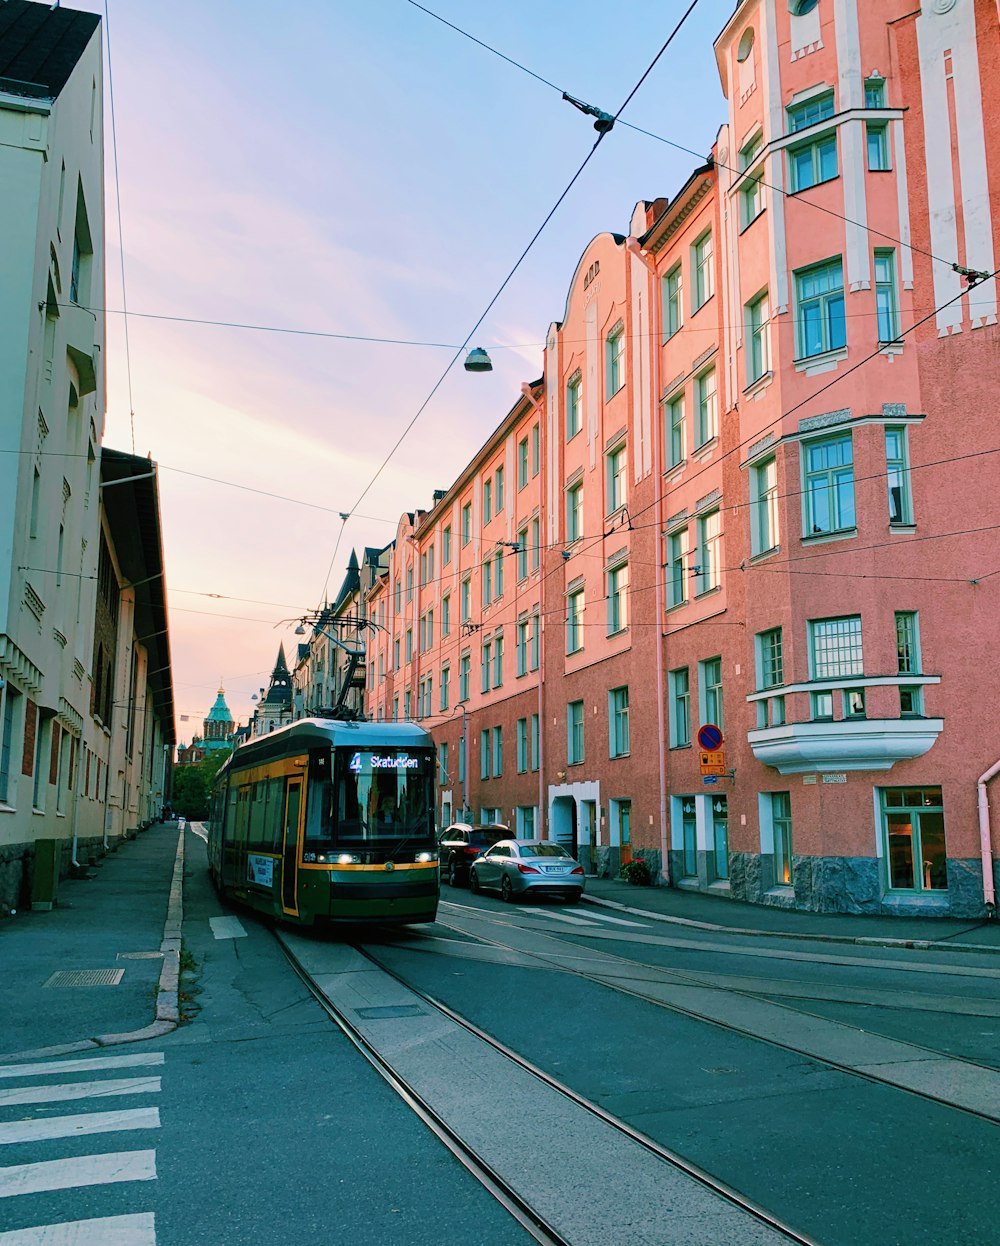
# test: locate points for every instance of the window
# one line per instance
(498, 573)
(498, 660)
(835, 647)
(674, 430)
(487, 501)
(423, 568)
(574, 512)
(443, 763)
(814, 161)
(521, 746)
(706, 418)
(487, 657)
(409, 644)
(819, 302)
(445, 687)
(484, 753)
(462, 748)
(745, 48)
(536, 450)
(781, 837)
(711, 692)
(720, 835)
(810, 112)
(522, 462)
(770, 664)
(526, 821)
(618, 599)
(618, 738)
(913, 838)
(522, 554)
(446, 615)
(497, 752)
(8, 696)
(680, 708)
(398, 596)
(897, 468)
(536, 627)
(908, 661)
(764, 506)
(464, 669)
(614, 360)
(886, 302)
(673, 309)
(574, 733)
(395, 654)
(573, 412)
(574, 621)
(703, 273)
(758, 351)
(498, 491)
(751, 189)
(534, 742)
(409, 583)
(466, 602)
(829, 485)
(521, 646)
(536, 547)
(446, 546)
(799, 8)
(677, 567)
(709, 566)
(616, 460)
(875, 93)
(877, 143)
(466, 523)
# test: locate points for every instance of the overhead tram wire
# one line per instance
(121, 242)
(602, 133)
(670, 143)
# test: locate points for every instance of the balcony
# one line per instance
(846, 743)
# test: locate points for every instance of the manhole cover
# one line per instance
(86, 977)
(389, 1011)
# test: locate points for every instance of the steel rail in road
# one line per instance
(682, 978)
(501, 1190)
(526, 1215)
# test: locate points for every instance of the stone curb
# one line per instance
(920, 945)
(167, 997)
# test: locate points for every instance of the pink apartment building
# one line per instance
(757, 487)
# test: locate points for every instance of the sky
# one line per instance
(332, 168)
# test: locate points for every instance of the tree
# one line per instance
(192, 789)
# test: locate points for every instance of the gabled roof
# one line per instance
(40, 46)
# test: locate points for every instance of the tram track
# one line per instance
(653, 974)
(759, 1224)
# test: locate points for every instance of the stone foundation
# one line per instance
(840, 885)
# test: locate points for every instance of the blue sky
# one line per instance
(339, 168)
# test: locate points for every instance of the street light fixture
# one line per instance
(478, 361)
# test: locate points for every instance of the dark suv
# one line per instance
(460, 844)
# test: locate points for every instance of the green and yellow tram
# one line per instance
(329, 821)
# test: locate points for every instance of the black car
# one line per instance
(460, 844)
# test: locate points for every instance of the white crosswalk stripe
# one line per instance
(52, 1175)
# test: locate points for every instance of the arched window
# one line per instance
(799, 8)
(746, 45)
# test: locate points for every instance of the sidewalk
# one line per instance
(123, 923)
(695, 909)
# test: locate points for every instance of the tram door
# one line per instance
(289, 850)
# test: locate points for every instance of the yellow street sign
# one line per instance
(712, 762)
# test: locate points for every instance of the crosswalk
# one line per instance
(50, 1157)
(593, 917)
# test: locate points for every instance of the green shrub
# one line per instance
(636, 872)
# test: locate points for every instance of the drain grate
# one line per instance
(389, 1011)
(86, 977)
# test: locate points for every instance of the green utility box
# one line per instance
(45, 877)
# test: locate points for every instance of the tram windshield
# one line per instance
(378, 797)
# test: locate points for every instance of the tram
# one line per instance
(329, 821)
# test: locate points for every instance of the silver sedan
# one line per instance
(515, 867)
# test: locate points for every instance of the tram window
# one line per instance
(381, 796)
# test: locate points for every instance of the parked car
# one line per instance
(519, 867)
(460, 844)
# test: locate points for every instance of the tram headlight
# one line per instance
(423, 857)
(348, 858)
